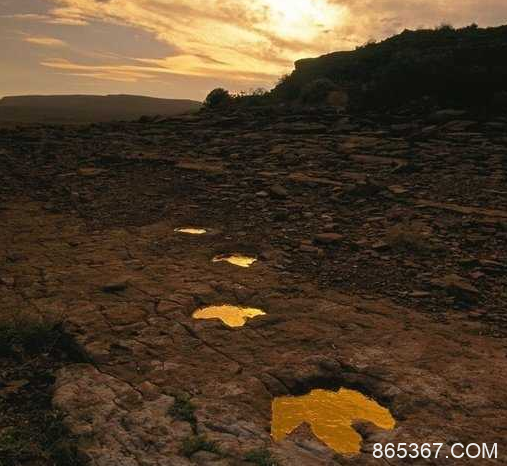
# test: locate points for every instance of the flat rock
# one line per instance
(363, 190)
(115, 286)
(278, 192)
(329, 238)
(91, 171)
(457, 286)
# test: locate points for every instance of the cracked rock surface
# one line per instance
(381, 268)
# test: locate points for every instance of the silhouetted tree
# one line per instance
(286, 89)
(217, 98)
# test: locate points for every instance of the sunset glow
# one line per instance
(184, 48)
(303, 19)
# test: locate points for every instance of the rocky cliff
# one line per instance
(458, 67)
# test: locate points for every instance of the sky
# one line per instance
(185, 48)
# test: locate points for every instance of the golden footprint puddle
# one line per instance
(236, 259)
(191, 231)
(233, 316)
(330, 415)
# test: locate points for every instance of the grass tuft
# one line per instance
(26, 333)
(32, 432)
(261, 457)
(14, 446)
(183, 410)
(408, 237)
(45, 437)
(196, 443)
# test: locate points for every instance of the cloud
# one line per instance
(119, 77)
(251, 41)
(69, 15)
(67, 21)
(382, 18)
(45, 41)
(26, 16)
(257, 40)
(151, 68)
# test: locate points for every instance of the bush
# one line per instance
(499, 101)
(197, 443)
(286, 89)
(45, 436)
(445, 27)
(183, 410)
(408, 236)
(261, 457)
(317, 91)
(256, 97)
(217, 98)
(26, 333)
(32, 431)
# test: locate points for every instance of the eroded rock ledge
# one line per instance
(379, 270)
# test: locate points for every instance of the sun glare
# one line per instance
(302, 19)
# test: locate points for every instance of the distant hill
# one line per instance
(444, 66)
(88, 108)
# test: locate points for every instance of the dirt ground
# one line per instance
(382, 257)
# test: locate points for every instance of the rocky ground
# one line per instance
(382, 247)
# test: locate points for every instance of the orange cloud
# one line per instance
(258, 40)
(251, 41)
(134, 73)
(45, 41)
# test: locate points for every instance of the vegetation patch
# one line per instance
(44, 440)
(408, 237)
(424, 69)
(32, 432)
(317, 91)
(25, 334)
(196, 443)
(183, 410)
(217, 98)
(261, 457)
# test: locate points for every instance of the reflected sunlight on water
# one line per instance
(233, 316)
(191, 231)
(236, 259)
(330, 415)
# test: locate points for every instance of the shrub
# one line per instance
(499, 101)
(317, 91)
(197, 443)
(286, 89)
(26, 332)
(217, 98)
(32, 431)
(47, 437)
(408, 236)
(261, 457)
(183, 410)
(255, 97)
(445, 27)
